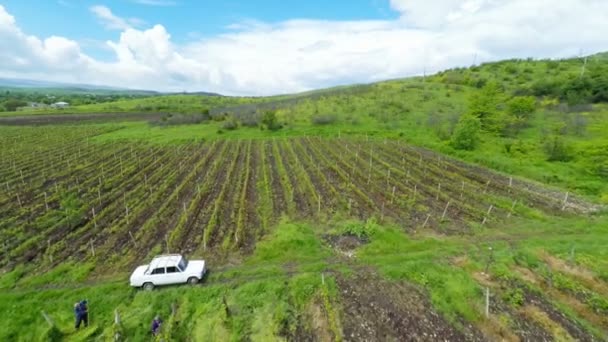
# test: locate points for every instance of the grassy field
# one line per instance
(352, 216)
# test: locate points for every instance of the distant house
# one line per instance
(60, 105)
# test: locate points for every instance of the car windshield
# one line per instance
(183, 264)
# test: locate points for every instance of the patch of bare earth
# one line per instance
(374, 309)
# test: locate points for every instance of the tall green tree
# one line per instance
(485, 105)
(466, 133)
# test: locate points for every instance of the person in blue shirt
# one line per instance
(81, 311)
(156, 325)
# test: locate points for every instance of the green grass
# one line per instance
(268, 291)
(263, 296)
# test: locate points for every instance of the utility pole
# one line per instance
(584, 67)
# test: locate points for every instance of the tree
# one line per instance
(484, 105)
(270, 120)
(11, 105)
(522, 107)
(466, 133)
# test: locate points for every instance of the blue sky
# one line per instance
(185, 20)
(240, 47)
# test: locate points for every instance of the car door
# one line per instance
(175, 275)
(158, 276)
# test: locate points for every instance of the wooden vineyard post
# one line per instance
(382, 213)
(510, 183)
(48, 243)
(99, 195)
(393, 195)
(350, 202)
(487, 214)
(48, 319)
(487, 302)
(322, 278)
(486, 188)
(46, 203)
(94, 218)
(127, 213)
(462, 190)
(512, 208)
(167, 243)
(565, 201)
(572, 259)
(445, 211)
(428, 216)
(438, 191)
(133, 238)
(415, 191)
(117, 330)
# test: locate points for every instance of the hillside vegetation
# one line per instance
(369, 212)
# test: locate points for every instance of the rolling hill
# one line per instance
(466, 205)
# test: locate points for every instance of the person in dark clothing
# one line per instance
(156, 325)
(81, 311)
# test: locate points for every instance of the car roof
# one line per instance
(165, 260)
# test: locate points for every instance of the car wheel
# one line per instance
(148, 286)
(193, 280)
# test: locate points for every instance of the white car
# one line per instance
(167, 270)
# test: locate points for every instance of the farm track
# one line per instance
(225, 194)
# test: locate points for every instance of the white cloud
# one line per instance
(112, 21)
(156, 2)
(260, 58)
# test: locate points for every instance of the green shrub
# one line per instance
(514, 296)
(323, 119)
(466, 133)
(230, 125)
(557, 150)
(359, 229)
(522, 106)
(270, 121)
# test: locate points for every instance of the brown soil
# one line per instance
(377, 310)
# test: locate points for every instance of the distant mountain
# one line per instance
(68, 87)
